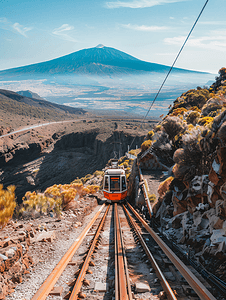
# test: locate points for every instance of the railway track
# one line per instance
(118, 256)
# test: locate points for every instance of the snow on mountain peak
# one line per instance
(100, 46)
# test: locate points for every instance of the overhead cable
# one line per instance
(167, 75)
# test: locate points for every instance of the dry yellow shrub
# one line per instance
(68, 192)
(205, 121)
(164, 186)
(134, 152)
(158, 128)
(68, 195)
(122, 159)
(7, 204)
(145, 145)
(152, 197)
(53, 191)
(125, 164)
(195, 108)
(92, 189)
(77, 180)
(33, 202)
(178, 111)
(98, 173)
(150, 135)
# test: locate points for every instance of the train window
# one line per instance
(106, 185)
(123, 183)
(115, 184)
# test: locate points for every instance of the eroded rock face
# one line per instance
(192, 210)
(58, 160)
(201, 217)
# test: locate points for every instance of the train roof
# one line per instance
(114, 172)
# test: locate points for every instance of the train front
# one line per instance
(114, 188)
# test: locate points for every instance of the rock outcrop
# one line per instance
(192, 208)
(14, 258)
(34, 162)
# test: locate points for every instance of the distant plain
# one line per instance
(125, 96)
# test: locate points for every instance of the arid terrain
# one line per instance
(63, 146)
(183, 163)
(61, 152)
(47, 151)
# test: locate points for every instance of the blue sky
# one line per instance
(151, 30)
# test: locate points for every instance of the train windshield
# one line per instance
(115, 184)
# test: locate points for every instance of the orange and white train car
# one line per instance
(114, 186)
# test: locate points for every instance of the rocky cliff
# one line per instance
(36, 160)
(191, 142)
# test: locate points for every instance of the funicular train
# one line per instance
(114, 185)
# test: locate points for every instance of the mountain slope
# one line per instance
(17, 104)
(100, 60)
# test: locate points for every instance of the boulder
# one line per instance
(221, 250)
(16, 268)
(218, 236)
(179, 156)
(10, 252)
(178, 197)
(48, 236)
(180, 206)
(198, 185)
(213, 177)
(176, 221)
(221, 153)
(142, 287)
(187, 222)
(220, 206)
(199, 221)
(215, 196)
(222, 133)
(223, 191)
(180, 171)
(3, 291)
(193, 202)
(2, 267)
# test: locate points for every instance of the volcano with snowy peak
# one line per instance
(100, 60)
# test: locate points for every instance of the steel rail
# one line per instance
(146, 198)
(120, 278)
(164, 282)
(49, 283)
(116, 260)
(126, 267)
(193, 281)
(122, 292)
(82, 273)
